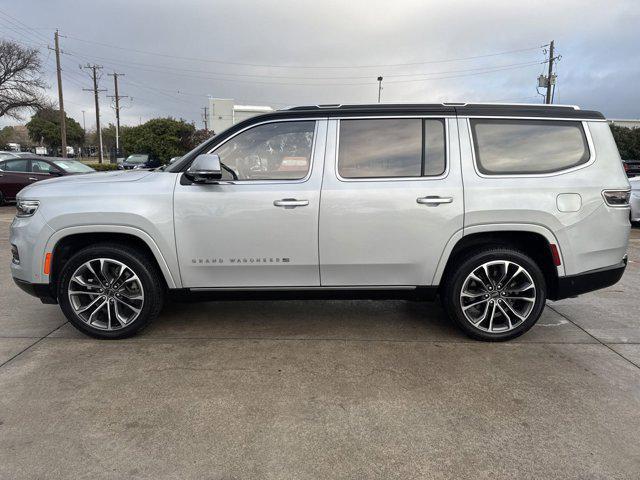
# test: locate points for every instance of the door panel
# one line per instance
(14, 177)
(261, 233)
(387, 232)
(10, 184)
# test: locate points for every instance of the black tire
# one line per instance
(453, 284)
(1, 199)
(143, 266)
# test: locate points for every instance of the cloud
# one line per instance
(359, 39)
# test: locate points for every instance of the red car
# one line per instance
(17, 173)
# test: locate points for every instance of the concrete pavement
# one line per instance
(321, 389)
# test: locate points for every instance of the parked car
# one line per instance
(495, 208)
(19, 172)
(635, 199)
(632, 167)
(5, 154)
(139, 161)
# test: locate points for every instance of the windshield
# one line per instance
(73, 166)
(137, 158)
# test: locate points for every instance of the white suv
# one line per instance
(495, 208)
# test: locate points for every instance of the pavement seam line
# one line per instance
(596, 338)
(34, 343)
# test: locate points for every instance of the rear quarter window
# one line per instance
(506, 146)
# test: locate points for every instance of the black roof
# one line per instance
(463, 109)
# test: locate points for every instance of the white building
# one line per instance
(624, 122)
(223, 113)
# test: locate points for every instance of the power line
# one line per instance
(267, 65)
(259, 82)
(132, 64)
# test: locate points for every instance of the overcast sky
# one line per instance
(291, 52)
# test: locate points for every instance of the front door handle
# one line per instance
(433, 201)
(290, 203)
(34, 179)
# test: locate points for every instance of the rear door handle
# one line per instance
(34, 179)
(290, 203)
(433, 201)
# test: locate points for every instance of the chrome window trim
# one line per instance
(587, 134)
(275, 181)
(444, 174)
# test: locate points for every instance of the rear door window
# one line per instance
(391, 148)
(512, 146)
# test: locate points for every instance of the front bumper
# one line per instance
(573, 285)
(40, 290)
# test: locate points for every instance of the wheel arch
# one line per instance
(534, 240)
(63, 243)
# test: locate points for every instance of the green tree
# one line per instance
(199, 136)
(45, 126)
(628, 141)
(5, 136)
(162, 138)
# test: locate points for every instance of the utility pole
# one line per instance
(550, 80)
(379, 88)
(94, 68)
(205, 118)
(63, 126)
(84, 123)
(117, 98)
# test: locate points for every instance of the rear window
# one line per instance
(528, 146)
(391, 148)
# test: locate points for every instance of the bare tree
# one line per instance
(21, 83)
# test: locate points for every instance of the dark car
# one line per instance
(632, 167)
(139, 161)
(17, 173)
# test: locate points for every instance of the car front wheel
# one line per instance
(110, 291)
(496, 294)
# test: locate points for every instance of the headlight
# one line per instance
(26, 208)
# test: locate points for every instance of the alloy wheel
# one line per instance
(106, 294)
(498, 296)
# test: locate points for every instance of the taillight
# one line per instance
(626, 166)
(616, 198)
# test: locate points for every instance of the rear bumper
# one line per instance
(573, 285)
(40, 290)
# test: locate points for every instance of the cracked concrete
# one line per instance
(322, 389)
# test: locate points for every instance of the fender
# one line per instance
(136, 232)
(490, 228)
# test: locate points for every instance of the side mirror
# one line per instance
(205, 169)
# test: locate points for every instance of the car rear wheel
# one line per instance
(496, 294)
(1, 199)
(110, 291)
